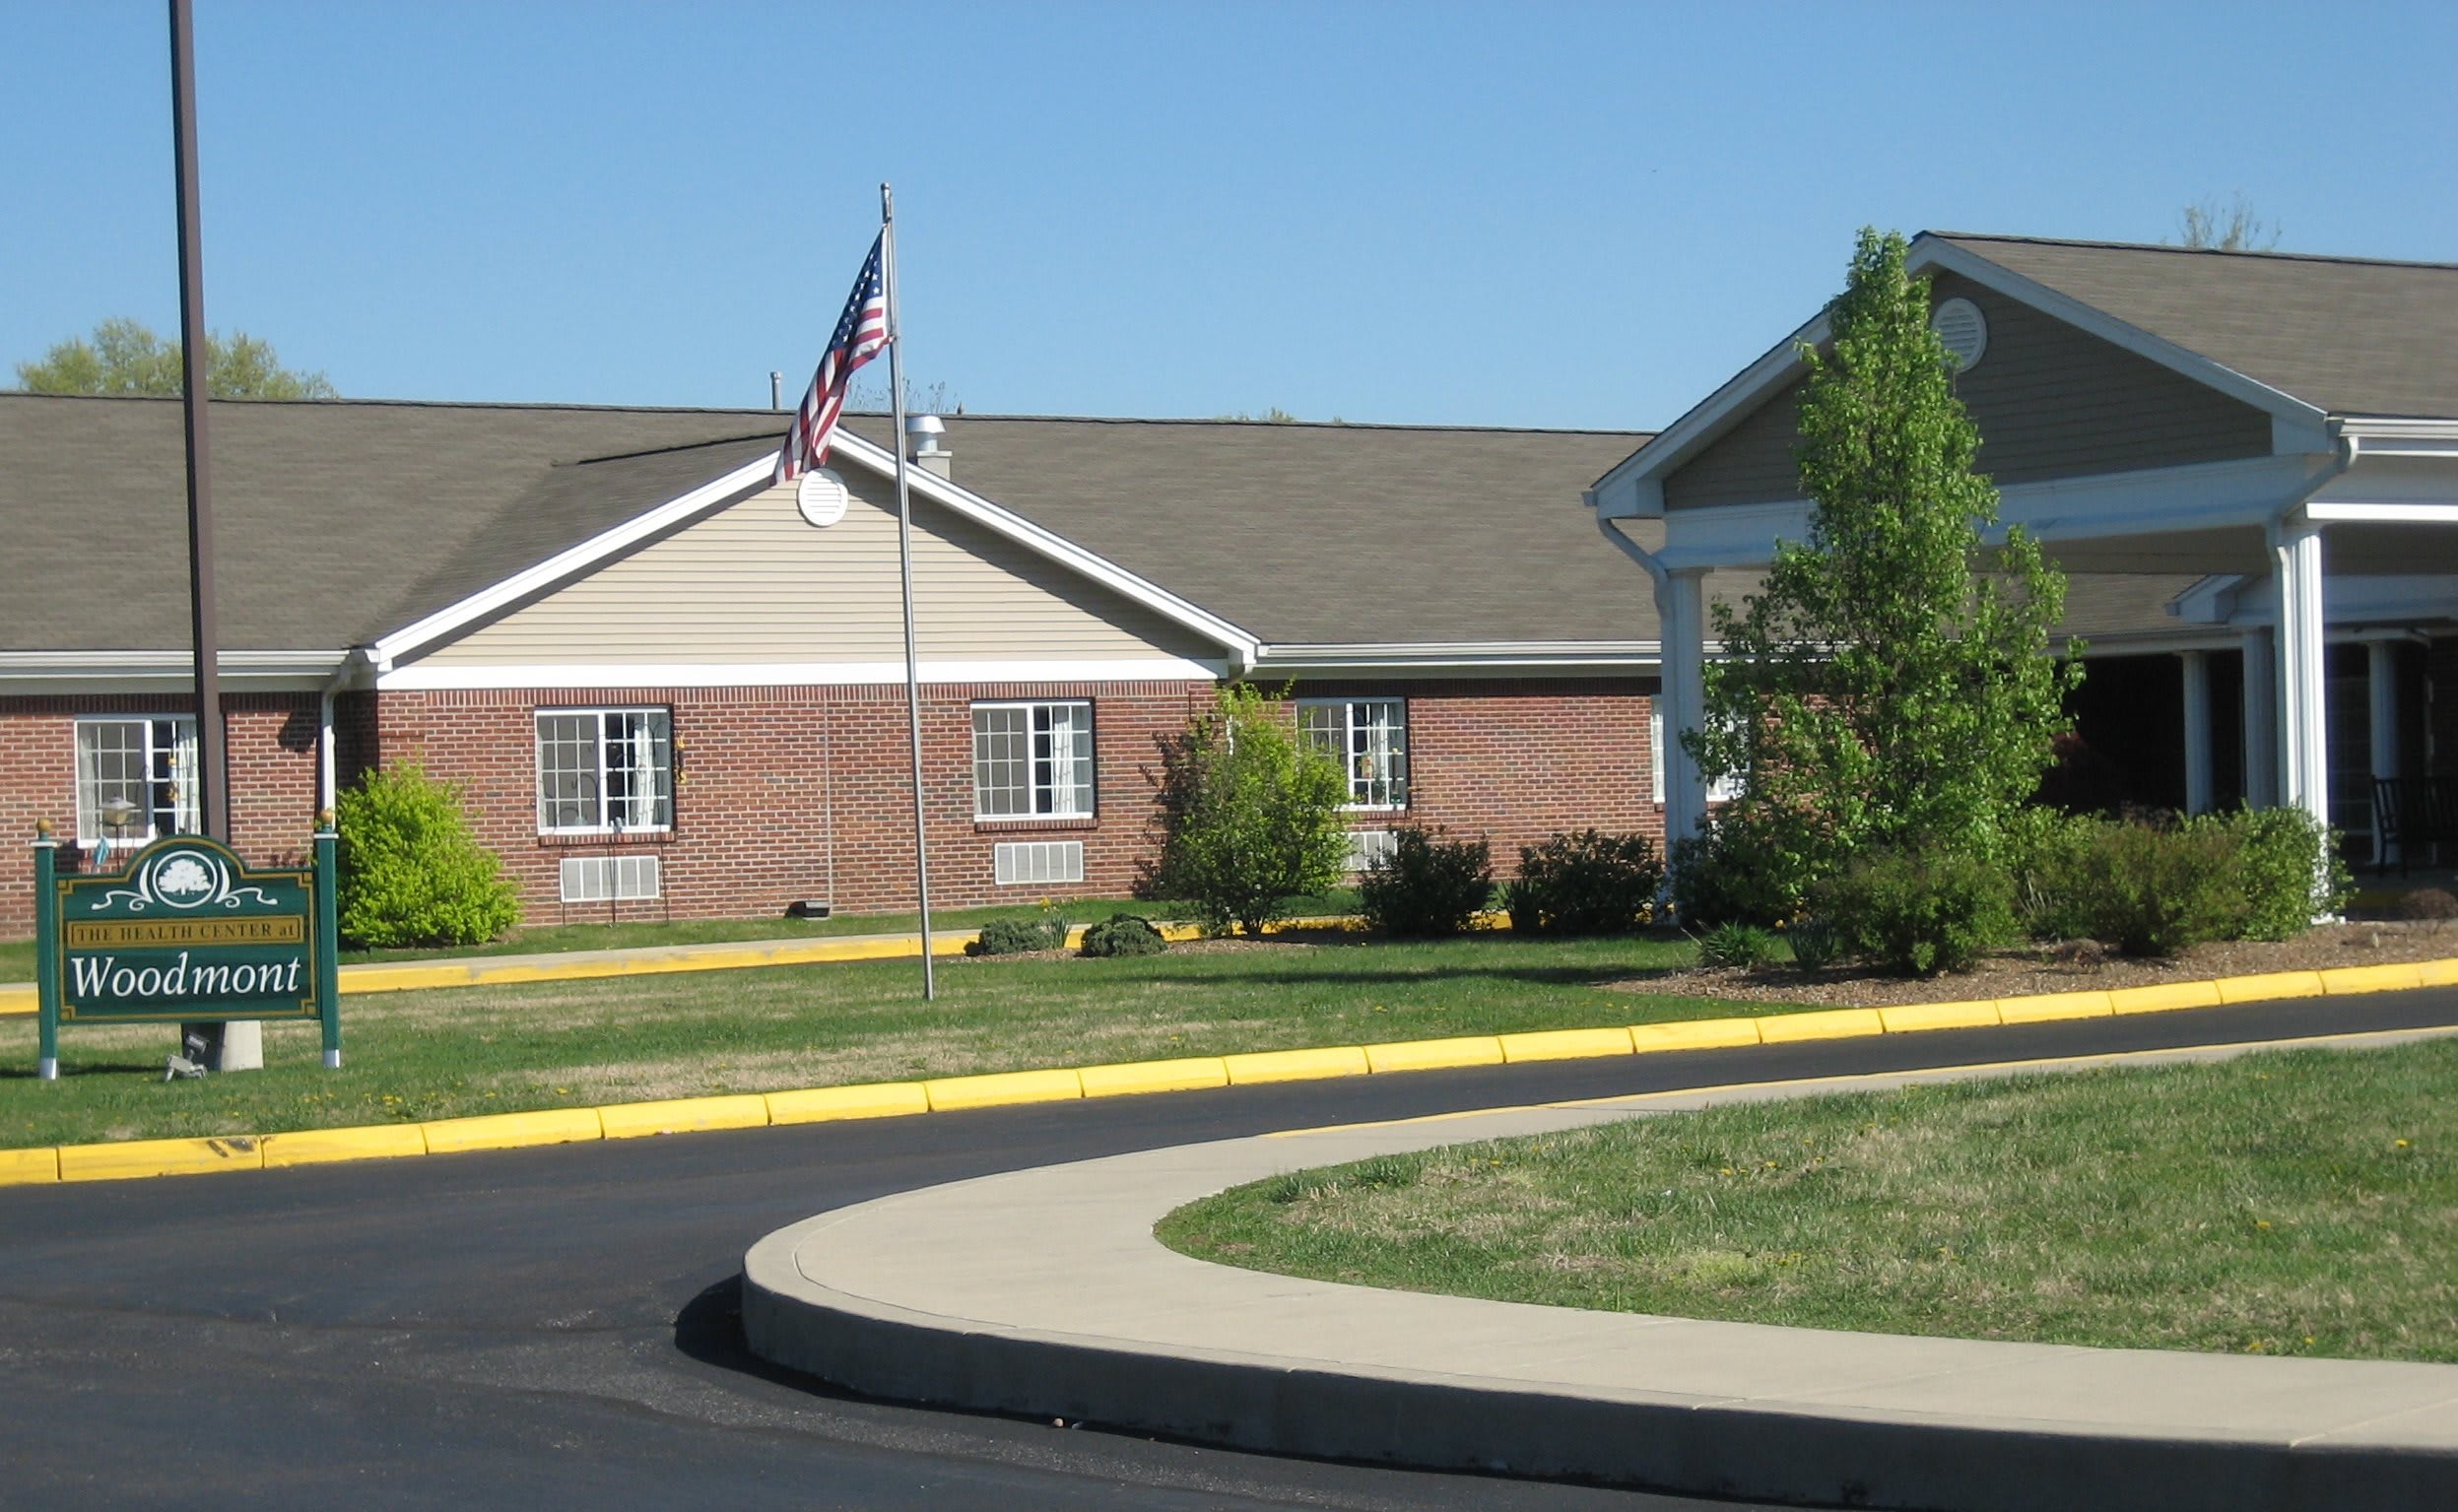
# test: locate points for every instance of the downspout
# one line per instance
(2302, 755)
(1682, 809)
(328, 785)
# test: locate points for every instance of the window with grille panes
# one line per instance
(1032, 760)
(1369, 736)
(605, 771)
(148, 763)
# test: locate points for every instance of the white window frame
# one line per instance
(601, 713)
(1355, 742)
(180, 755)
(1051, 788)
(1723, 790)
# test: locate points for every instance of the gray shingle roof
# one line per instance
(2348, 336)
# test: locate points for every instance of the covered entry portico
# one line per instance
(2282, 431)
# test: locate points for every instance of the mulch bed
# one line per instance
(2078, 966)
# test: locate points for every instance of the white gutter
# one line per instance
(1435, 657)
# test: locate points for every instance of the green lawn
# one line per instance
(2300, 1202)
(418, 1055)
(17, 956)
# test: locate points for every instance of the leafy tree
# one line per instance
(125, 357)
(2228, 228)
(411, 872)
(1253, 815)
(1889, 683)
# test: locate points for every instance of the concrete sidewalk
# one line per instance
(1044, 1292)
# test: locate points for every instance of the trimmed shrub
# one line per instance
(1044, 931)
(1736, 945)
(1816, 942)
(2150, 891)
(2290, 869)
(411, 872)
(1123, 934)
(1919, 914)
(1427, 888)
(1584, 884)
(1739, 870)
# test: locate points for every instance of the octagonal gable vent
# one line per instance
(1965, 330)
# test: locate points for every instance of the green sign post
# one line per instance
(185, 933)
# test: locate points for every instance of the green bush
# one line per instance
(1746, 945)
(2290, 870)
(1123, 934)
(1584, 884)
(2042, 848)
(1427, 888)
(1919, 914)
(1253, 817)
(1816, 942)
(1044, 931)
(411, 872)
(1740, 869)
(2149, 890)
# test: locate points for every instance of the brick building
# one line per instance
(668, 692)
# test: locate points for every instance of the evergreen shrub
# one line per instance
(1044, 931)
(1123, 934)
(1427, 888)
(411, 873)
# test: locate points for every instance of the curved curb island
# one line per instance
(1044, 1292)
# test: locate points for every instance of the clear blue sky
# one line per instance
(1447, 214)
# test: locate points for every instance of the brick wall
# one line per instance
(272, 742)
(793, 793)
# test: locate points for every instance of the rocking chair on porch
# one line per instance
(2408, 812)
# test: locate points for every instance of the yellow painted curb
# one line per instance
(684, 1115)
(1002, 1086)
(1563, 1044)
(19, 1000)
(2164, 998)
(2269, 987)
(157, 1157)
(2050, 1007)
(1694, 1035)
(1260, 1066)
(827, 1104)
(1135, 1077)
(1828, 1024)
(2436, 973)
(1911, 1018)
(2353, 979)
(513, 1131)
(1434, 1054)
(365, 1141)
(28, 1167)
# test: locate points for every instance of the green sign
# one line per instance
(185, 933)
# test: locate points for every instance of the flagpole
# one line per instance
(904, 571)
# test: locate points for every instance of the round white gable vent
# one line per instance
(1965, 330)
(821, 496)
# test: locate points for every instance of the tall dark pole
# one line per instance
(227, 1046)
(212, 759)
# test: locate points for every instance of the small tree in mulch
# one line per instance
(1253, 817)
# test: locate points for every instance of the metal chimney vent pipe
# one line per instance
(925, 442)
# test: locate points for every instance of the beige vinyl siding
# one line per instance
(2051, 401)
(754, 583)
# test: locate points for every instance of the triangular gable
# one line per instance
(742, 483)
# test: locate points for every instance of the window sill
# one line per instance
(1004, 823)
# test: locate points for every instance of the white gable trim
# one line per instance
(578, 561)
(1636, 488)
(666, 674)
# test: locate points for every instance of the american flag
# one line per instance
(861, 331)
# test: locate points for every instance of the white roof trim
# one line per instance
(577, 561)
(102, 664)
(1437, 657)
(428, 675)
(1629, 489)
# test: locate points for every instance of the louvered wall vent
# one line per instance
(1965, 330)
(1019, 861)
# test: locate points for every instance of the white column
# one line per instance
(2303, 682)
(2261, 717)
(2381, 680)
(2197, 780)
(1680, 614)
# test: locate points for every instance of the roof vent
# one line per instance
(1965, 330)
(923, 443)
